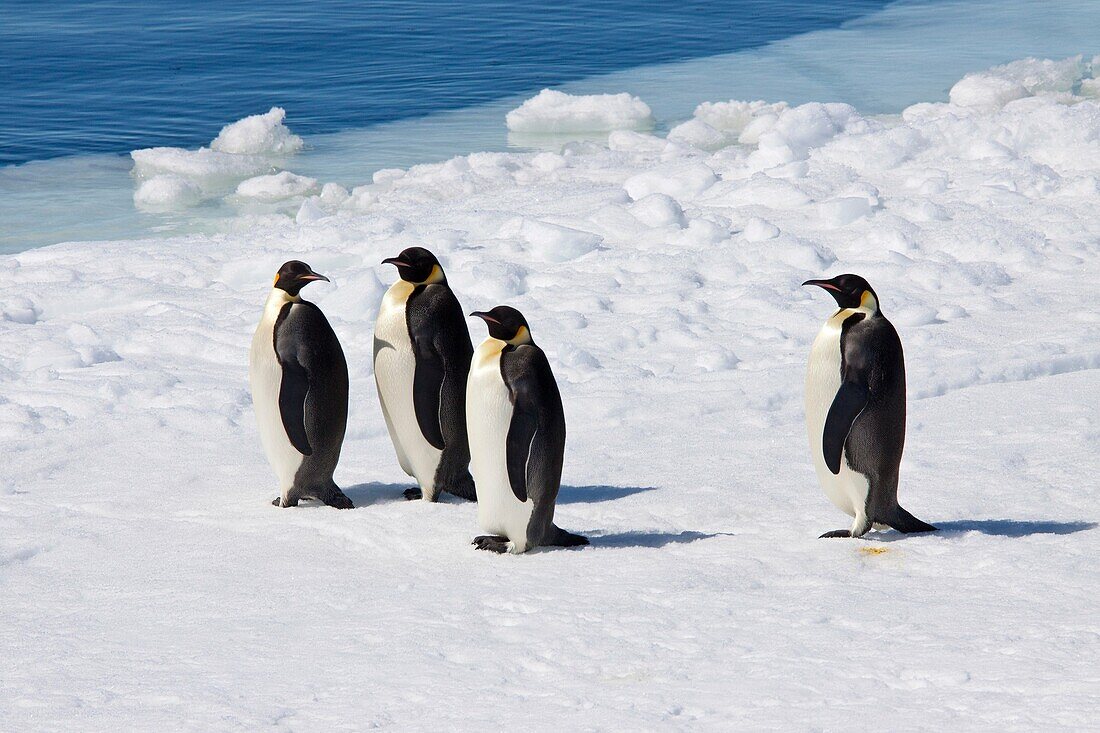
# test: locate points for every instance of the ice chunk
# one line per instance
(700, 135)
(309, 211)
(733, 117)
(167, 191)
(283, 185)
(258, 135)
(551, 111)
(993, 88)
(204, 167)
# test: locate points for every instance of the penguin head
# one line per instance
(849, 291)
(506, 324)
(295, 275)
(417, 266)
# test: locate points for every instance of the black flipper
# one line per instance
(521, 432)
(427, 384)
(294, 385)
(850, 400)
(905, 522)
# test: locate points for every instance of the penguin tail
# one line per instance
(905, 522)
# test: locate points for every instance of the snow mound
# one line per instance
(800, 129)
(552, 242)
(682, 181)
(718, 124)
(700, 135)
(276, 187)
(658, 210)
(167, 191)
(759, 230)
(258, 135)
(994, 88)
(551, 111)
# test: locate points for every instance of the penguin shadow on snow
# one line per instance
(596, 494)
(375, 492)
(1014, 528)
(652, 539)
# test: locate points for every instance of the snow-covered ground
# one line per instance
(147, 583)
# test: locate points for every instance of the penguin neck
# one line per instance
(276, 299)
(868, 306)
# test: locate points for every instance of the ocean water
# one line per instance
(108, 76)
(397, 83)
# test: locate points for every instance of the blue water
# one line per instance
(114, 75)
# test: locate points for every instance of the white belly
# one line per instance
(265, 377)
(394, 368)
(848, 489)
(488, 416)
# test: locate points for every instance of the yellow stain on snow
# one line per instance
(873, 550)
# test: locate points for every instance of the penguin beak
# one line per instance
(396, 261)
(314, 276)
(822, 284)
(485, 317)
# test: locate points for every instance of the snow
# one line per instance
(146, 582)
(552, 111)
(264, 134)
(177, 178)
(278, 186)
(166, 191)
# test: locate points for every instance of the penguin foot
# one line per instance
(339, 500)
(492, 543)
(414, 493)
(278, 501)
(568, 539)
(836, 533)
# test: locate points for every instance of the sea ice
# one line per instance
(551, 111)
(264, 134)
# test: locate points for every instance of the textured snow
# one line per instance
(551, 111)
(147, 583)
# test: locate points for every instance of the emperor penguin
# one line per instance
(299, 381)
(422, 354)
(517, 438)
(855, 410)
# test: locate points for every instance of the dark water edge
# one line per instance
(114, 75)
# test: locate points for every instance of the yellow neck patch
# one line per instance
(435, 276)
(523, 336)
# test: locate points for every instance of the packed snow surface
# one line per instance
(147, 583)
